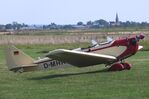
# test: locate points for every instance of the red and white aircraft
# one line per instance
(111, 53)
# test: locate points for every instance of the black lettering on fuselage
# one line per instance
(51, 64)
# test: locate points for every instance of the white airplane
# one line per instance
(111, 53)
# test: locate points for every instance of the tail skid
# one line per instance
(18, 61)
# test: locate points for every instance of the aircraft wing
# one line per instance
(80, 59)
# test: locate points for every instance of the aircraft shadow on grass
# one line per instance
(67, 75)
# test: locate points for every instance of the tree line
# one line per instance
(101, 23)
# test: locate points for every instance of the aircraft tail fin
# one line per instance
(18, 61)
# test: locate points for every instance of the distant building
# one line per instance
(117, 19)
(116, 22)
(79, 26)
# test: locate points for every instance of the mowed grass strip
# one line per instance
(75, 83)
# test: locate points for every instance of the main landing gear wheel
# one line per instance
(116, 67)
(120, 66)
(127, 65)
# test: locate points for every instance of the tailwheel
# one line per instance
(127, 65)
(116, 67)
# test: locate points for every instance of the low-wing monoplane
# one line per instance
(111, 53)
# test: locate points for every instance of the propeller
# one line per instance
(139, 37)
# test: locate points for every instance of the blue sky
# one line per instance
(72, 11)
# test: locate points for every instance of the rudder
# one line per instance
(17, 59)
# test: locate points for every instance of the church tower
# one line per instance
(116, 19)
(117, 23)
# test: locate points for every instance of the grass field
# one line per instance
(76, 83)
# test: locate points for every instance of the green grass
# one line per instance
(75, 83)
